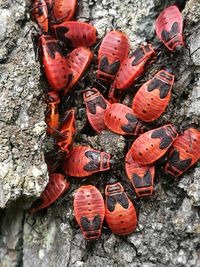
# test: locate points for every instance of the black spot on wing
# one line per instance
(93, 155)
(101, 102)
(60, 34)
(93, 225)
(128, 128)
(122, 199)
(166, 141)
(85, 223)
(154, 84)
(161, 85)
(174, 29)
(104, 64)
(70, 78)
(114, 67)
(91, 166)
(111, 203)
(52, 48)
(97, 101)
(96, 223)
(175, 161)
(138, 56)
(158, 133)
(144, 181)
(131, 118)
(94, 164)
(91, 107)
(164, 90)
(165, 36)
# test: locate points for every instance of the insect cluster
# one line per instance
(66, 56)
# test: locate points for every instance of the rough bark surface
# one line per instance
(168, 232)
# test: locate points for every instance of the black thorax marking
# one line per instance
(97, 101)
(144, 181)
(121, 198)
(161, 85)
(94, 164)
(166, 140)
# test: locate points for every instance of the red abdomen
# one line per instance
(114, 48)
(134, 66)
(83, 161)
(77, 62)
(141, 177)
(75, 33)
(56, 186)
(184, 152)
(55, 66)
(152, 145)
(169, 27)
(89, 211)
(120, 119)
(121, 216)
(153, 97)
(40, 14)
(96, 105)
(63, 10)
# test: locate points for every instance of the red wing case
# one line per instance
(141, 176)
(152, 145)
(153, 97)
(169, 27)
(134, 66)
(77, 62)
(56, 186)
(121, 216)
(55, 66)
(75, 33)
(96, 105)
(121, 120)
(113, 50)
(63, 10)
(83, 161)
(89, 211)
(184, 152)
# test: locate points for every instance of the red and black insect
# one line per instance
(121, 120)
(63, 10)
(83, 161)
(96, 106)
(52, 114)
(56, 186)
(113, 50)
(54, 62)
(120, 213)
(141, 177)
(152, 145)
(169, 28)
(114, 95)
(77, 62)
(66, 132)
(40, 14)
(134, 66)
(184, 152)
(153, 97)
(75, 33)
(89, 211)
